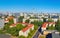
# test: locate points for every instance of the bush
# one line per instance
(1, 32)
(21, 37)
(19, 27)
(58, 25)
(20, 18)
(27, 21)
(51, 27)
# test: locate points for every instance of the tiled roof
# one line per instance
(44, 25)
(10, 17)
(6, 20)
(51, 22)
(24, 29)
(28, 27)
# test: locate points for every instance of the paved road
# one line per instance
(37, 33)
(4, 36)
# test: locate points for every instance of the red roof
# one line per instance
(28, 27)
(6, 20)
(10, 17)
(44, 25)
(51, 22)
(24, 29)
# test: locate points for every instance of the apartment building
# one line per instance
(26, 30)
(1, 23)
(46, 24)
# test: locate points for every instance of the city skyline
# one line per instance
(52, 6)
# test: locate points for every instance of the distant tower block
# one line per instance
(14, 20)
(10, 14)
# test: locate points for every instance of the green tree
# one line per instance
(15, 30)
(19, 27)
(27, 21)
(58, 25)
(12, 31)
(1, 32)
(51, 27)
(11, 21)
(38, 23)
(44, 19)
(31, 33)
(6, 27)
(21, 18)
(8, 24)
(21, 37)
(35, 27)
(50, 20)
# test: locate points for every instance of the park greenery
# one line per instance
(38, 23)
(50, 20)
(21, 36)
(50, 27)
(11, 21)
(58, 25)
(2, 32)
(19, 27)
(14, 31)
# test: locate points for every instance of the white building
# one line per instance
(15, 20)
(21, 14)
(51, 23)
(1, 23)
(55, 19)
(44, 26)
(26, 30)
(6, 20)
(32, 20)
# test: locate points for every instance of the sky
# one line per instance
(51, 6)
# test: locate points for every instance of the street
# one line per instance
(37, 33)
